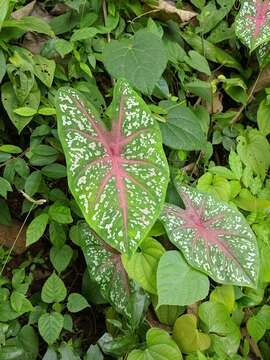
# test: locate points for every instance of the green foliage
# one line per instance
(173, 270)
(157, 342)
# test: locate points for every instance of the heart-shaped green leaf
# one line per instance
(141, 59)
(182, 129)
(118, 176)
(253, 23)
(214, 237)
(189, 285)
(142, 266)
(224, 333)
(187, 336)
(159, 345)
(105, 267)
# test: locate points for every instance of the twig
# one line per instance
(105, 15)
(250, 93)
(17, 237)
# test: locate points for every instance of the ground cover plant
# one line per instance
(134, 180)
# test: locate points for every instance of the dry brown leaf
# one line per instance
(8, 236)
(24, 11)
(169, 8)
(263, 80)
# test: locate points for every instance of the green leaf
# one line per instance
(159, 345)
(200, 88)
(25, 111)
(76, 303)
(36, 229)
(132, 59)
(3, 65)
(210, 51)
(4, 187)
(214, 237)
(57, 234)
(46, 111)
(54, 171)
(94, 353)
(50, 355)
(182, 129)
(63, 47)
(53, 290)
(142, 266)
(11, 103)
(30, 23)
(235, 164)
(225, 295)
(198, 62)
(5, 217)
(224, 333)
(32, 183)
(167, 314)
(20, 303)
(4, 4)
(210, 16)
(61, 257)
(60, 213)
(187, 336)
(44, 69)
(84, 34)
(188, 284)
(50, 326)
(105, 267)
(252, 23)
(256, 328)
(215, 185)
(263, 118)
(254, 151)
(29, 340)
(118, 177)
(12, 149)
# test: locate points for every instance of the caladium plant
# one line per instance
(105, 268)
(253, 23)
(117, 174)
(214, 237)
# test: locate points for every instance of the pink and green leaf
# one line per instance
(253, 23)
(214, 237)
(105, 268)
(119, 175)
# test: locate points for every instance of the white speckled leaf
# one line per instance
(214, 237)
(105, 267)
(253, 23)
(119, 176)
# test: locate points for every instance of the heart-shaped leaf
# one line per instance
(189, 285)
(187, 336)
(253, 23)
(118, 176)
(141, 59)
(105, 267)
(142, 266)
(182, 129)
(214, 237)
(224, 333)
(159, 346)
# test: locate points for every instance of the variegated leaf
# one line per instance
(214, 237)
(118, 176)
(253, 23)
(105, 268)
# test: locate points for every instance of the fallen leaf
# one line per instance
(8, 236)
(24, 11)
(263, 80)
(169, 8)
